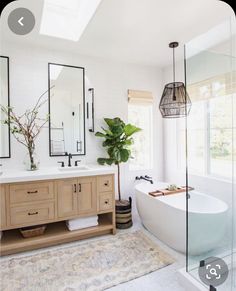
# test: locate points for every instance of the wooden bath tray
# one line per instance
(164, 192)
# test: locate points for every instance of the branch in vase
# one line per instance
(26, 127)
(18, 139)
(40, 97)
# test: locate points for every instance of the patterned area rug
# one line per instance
(91, 266)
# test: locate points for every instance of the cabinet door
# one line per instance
(87, 196)
(67, 198)
(2, 207)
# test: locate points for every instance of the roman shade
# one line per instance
(137, 96)
(217, 86)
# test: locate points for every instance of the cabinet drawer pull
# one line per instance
(33, 192)
(79, 187)
(106, 183)
(75, 188)
(107, 201)
(33, 213)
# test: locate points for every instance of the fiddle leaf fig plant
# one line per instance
(117, 142)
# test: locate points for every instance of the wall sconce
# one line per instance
(90, 110)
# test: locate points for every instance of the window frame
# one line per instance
(135, 168)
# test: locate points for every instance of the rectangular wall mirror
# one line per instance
(66, 110)
(5, 150)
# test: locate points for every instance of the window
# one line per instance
(196, 139)
(221, 136)
(210, 132)
(142, 151)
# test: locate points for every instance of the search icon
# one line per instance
(213, 272)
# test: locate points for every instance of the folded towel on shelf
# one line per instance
(81, 223)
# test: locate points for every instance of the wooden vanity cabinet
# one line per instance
(67, 201)
(3, 217)
(52, 202)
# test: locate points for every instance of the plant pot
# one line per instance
(124, 214)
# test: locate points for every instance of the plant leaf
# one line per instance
(130, 129)
(114, 122)
(114, 153)
(100, 134)
(117, 130)
(110, 122)
(124, 155)
(103, 161)
(128, 142)
(107, 131)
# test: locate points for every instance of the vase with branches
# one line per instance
(118, 141)
(26, 127)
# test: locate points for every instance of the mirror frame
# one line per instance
(49, 108)
(8, 101)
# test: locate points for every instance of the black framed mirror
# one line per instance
(5, 146)
(66, 110)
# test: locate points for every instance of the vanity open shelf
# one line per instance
(56, 233)
(52, 202)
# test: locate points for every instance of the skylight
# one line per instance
(67, 19)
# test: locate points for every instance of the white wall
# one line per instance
(29, 78)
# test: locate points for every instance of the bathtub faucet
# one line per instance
(146, 178)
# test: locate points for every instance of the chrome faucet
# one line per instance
(146, 178)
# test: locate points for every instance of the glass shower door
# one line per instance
(211, 155)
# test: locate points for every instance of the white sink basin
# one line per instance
(74, 169)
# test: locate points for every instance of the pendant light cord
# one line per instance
(174, 65)
(174, 96)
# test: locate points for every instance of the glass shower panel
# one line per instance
(233, 261)
(211, 132)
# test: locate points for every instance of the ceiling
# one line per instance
(133, 31)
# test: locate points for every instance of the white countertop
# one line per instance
(51, 173)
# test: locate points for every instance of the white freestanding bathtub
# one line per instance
(165, 217)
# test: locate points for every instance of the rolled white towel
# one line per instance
(71, 228)
(82, 223)
(89, 218)
(84, 220)
(79, 223)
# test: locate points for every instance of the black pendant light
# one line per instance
(175, 101)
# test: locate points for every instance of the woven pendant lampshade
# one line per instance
(175, 101)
